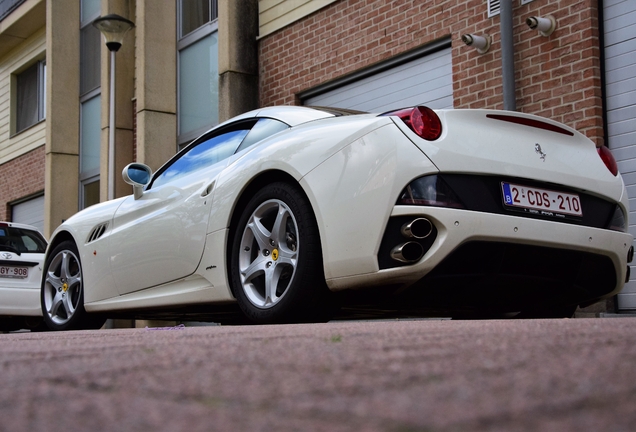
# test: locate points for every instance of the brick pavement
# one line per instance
(435, 375)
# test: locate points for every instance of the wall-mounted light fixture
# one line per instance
(545, 25)
(481, 43)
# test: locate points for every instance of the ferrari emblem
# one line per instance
(65, 287)
(537, 149)
(275, 254)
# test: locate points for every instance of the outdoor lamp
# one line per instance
(545, 25)
(114, 28)
(481, 43)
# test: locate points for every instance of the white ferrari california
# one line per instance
(284, 211)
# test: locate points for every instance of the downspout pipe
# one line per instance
(507, 55)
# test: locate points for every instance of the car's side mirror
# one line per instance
(138, 175)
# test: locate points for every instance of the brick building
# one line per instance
(374, 55)
(370, 55)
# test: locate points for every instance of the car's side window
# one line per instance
(264, 128)
(215, 147)
(206, 152)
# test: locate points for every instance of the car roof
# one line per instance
(19, 225)
(292, 115)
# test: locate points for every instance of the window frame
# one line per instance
(40, 90)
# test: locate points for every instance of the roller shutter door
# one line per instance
(29, 212)
(619, 20)
(427, 80)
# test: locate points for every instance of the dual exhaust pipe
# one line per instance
(412, 251)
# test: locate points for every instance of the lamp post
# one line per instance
(114, 28)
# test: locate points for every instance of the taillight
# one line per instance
(608, 159)
(421, 120)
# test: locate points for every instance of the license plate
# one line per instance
(541, 201)
(14, 272)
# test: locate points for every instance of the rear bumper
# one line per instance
(457, 228)
(20, 302)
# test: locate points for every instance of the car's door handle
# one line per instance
(208, 190)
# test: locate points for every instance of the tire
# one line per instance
(62, 293)
(276, 259)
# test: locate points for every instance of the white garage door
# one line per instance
(620, 75)
(426, 80)
(29, 212)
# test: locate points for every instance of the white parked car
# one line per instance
(280, 209)
(22, 250)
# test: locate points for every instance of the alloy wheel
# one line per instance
(268, 254)
(62, 287)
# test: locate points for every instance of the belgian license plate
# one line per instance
(14, 272)
(541, 201)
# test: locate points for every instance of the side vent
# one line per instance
(493, 8)
(97, 232)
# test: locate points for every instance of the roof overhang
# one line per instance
(21, 23)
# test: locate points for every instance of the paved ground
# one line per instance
(429, 375)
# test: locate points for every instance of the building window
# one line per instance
(90, 104)
(90, 192)
(30, 96)
(90, 135)
(198, 96)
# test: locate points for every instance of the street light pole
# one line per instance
(114, 28)
(111, 130)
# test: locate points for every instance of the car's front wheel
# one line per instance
(62, 294)
(276, 259)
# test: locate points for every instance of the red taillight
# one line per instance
(421, 120)
(608, 159)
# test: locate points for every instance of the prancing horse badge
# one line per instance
(537, 149)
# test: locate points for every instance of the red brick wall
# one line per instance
(556, 77)
(19, 178)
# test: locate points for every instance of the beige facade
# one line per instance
(146, 101)
(276, 14)
(22, 48)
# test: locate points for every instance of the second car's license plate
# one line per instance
(14, 272)
(541, 200)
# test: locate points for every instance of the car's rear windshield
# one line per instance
(14, 239)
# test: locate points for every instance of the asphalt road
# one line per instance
(428, 375)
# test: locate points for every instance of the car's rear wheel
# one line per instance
(276, 259)
(62, 294)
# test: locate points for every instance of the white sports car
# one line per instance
(22, 250)
(280, 209)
